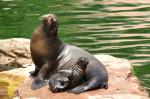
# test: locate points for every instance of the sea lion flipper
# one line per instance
(105, 85)
(76, 90)
(86, 86)
(34, 72)
(37, 84)
(40, 79)
(44, 72)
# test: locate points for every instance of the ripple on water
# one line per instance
(6, 8)
(6, 0)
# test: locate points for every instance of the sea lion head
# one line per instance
(60, 81)
(50, 24)
(83, 61)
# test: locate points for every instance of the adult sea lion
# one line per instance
(66, 79)
(50, 55)
(45, 48)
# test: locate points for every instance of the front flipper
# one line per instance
(38, 83)
(40, 79)
(77, 90)
(86, 86)
(34, 73)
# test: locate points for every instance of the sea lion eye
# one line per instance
(62, 83)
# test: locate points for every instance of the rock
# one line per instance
(122, 85)
(14, 78)
(15, 58)
(15, 61)
(10, 81)
(14, 53)
(3, 90)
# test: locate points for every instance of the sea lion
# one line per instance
(50, 55)
(66, 79)
(45, 48)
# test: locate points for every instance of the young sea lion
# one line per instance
(50, 54)
(65, 79)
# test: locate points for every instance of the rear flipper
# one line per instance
(88, 86)
(105, 85)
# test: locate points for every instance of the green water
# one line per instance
(117, 27)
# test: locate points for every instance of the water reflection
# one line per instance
(115, 27)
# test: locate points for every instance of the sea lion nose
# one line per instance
(49, 16)
(56, 89)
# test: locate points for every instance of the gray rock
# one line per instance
(14, 53)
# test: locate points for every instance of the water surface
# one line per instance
(117, 27)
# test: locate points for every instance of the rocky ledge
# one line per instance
(122, 85)
(14, 53)
(15, 61)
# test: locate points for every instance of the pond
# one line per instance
(115, 27)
